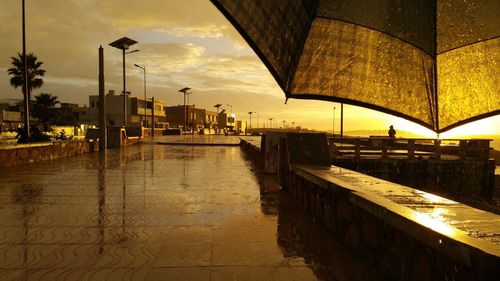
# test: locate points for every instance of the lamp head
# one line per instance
(184, 90)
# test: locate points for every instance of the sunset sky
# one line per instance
(182, 43)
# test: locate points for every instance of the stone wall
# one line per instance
(385, 239)
(29, 153)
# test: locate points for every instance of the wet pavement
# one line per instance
(160, 212)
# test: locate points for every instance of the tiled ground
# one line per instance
(159, 212)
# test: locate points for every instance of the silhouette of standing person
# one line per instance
(392, 132)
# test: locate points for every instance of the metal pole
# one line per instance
(26, 91)
(102, 103)
(153, 118)
(341, 120)
(333, 129)
(185, 112)
(124, 92)
(145, 100)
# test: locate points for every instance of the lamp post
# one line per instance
(217, 106)
(26, 92)
(250, 113)
(123, 44)
(333, 128)
(257, 119)
(190, 114)
(270, 122)
(145, 101)
(284, 121)
(185, 90)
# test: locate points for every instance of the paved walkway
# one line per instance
(159, 212)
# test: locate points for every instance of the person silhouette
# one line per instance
(392, 132)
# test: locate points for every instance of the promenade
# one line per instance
(160, 212)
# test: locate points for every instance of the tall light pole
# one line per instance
(257, 119)
(26, 86)
(145, 101)
(333, 128)
(218, 106)
(250, 113)
(123, 44)
(284, 121)
(270, 122)
(185, 90)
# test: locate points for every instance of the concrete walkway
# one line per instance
(160, 212)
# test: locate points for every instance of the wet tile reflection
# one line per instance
(155, 212)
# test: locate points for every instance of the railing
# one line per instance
(410, 148)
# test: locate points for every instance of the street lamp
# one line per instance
(26, 86)
(218, 106)
(284, 121)
(250, 113)
(123, 44)
(333, 129)
(270, 122)
(145, 101)
(185, 90)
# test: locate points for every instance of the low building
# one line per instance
(10, 120)
(227, 121)
(139, 111)
(241, 126)
(196, 118)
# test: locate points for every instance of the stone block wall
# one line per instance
(29, 153)
(382, 238)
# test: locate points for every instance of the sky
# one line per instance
(185, 43)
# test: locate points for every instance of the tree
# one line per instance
(18, 78)
(34, 72)
(43, 109)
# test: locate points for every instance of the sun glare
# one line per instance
(488, 126)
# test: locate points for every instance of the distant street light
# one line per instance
(257, 119)
(250, 113)
(185, 90)
(333, 129)
(145, 101)
(217, 106)
(123, 44)
(284, 121)
(270, 122)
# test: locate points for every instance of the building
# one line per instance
(241, 126)
(67, 114)
(11, 117)
(139, 111)
(197, 119)
(10, 120)
(227, 121)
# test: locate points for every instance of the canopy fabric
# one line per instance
(434, 62)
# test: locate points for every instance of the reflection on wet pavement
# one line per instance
(156, 212)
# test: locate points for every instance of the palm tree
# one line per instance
(34, 72)
(43, 108)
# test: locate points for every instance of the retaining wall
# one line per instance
(29, 153)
